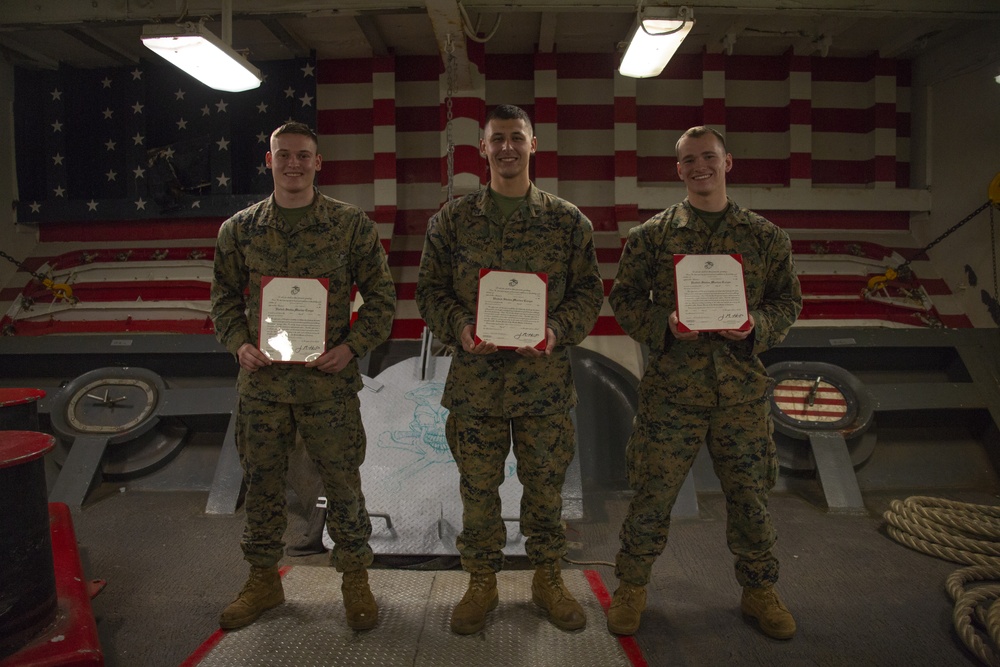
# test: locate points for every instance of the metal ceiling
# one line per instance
(102, 33)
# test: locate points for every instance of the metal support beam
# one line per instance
(36, 58)
(80, 471)
(289, 39)
(228, 480)
(90, 38)
(547, 33)
(368, 25)
(836, 472)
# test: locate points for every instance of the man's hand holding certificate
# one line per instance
(512, 309)
(711, 295)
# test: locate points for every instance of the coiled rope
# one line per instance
(961, 533)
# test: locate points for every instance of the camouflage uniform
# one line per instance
(709, 390)
(335, 241)
(498, 397)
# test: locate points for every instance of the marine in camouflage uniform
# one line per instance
(318, 401)
(707, 387)
(498, 396)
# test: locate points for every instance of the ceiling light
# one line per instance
(193, 48)
(657, 33)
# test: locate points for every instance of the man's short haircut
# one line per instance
(295, 127)
(700, 131)
(509, 112)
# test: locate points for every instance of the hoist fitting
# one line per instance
(876, 283)
(994, 190)
(59, 290)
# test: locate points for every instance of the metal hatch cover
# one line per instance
(410, 475)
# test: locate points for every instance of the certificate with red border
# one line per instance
(293, 318)
(512, 308)
(711, 293)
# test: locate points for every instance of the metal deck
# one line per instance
(309, 629)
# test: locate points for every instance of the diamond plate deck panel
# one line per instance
(309, 629)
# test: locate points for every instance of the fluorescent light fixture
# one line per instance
(657, 33)
(193, 48)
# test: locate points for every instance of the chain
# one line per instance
(59, 290)
(946, 233)
(449, 95)
(22, 266)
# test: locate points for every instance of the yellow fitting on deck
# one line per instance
(876, 283)
(59, 290)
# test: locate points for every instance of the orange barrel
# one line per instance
(19, 409)
(28, 598)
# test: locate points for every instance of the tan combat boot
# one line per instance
(261, 592)
(626, 609)
(469, 615)
(550, 593)
(771, 613)
(362, 612)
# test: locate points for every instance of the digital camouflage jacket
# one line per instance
(335, 241)
(547, 234)
(710, 371)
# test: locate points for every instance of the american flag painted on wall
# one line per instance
(579, 121)
(148, 142)
(807, 122)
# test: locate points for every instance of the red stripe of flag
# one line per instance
(587, 168)
(757, 68)
(800, 112)
(670, 118)
(586, 65)
(131, 230)
(586, 116)
(344, 121)
(608, 255)
(418, 170)
(346, 172)
(418, 119)
(625, 163)
(625, 110)
(756, 119)
(510, 66)
(383, 112)
(846, 121)
(419, 68)
(840, 70)
(346, 70)
(601, 217)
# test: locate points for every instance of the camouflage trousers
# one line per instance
(543, 446)
(663, 446)
(334, 438)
